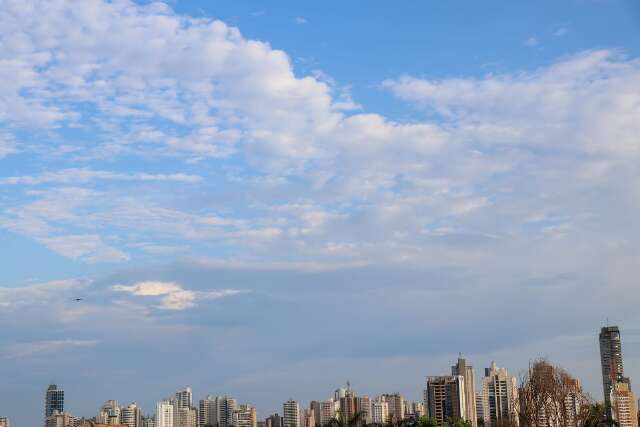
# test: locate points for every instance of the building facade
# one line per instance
(164, 414)
(5, 422)
(445, 398)
(131, 415)
(611, 362)
(499, 397)
(624, 405)
(379, 411)
(291, 414)
(469, 375)
(396, 406)
(54, 400)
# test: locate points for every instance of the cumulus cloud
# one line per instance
(173, 296)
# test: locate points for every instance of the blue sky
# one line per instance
(286, 195)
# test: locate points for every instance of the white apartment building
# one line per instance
(499, 396)
(379, 411)
(131, 415)
(164, 414)
(291, 414)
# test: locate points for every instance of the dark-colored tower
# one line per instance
(611, 361)
(54, 400)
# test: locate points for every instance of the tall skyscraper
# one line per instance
(469, 374)
(54, 400)
(624, 406)
(327, 411)
(274, 420)
(184, 398)
(164, 414)
(611, 362)
(363, 406)
(244, 416)
(445, 398)
(4, 422)
(131, 415)
(499, 397)
(291, 413)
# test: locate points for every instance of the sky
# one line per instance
(270, 199)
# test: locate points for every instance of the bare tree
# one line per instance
(551, 397)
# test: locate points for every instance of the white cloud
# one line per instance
(88, 247)
(300, 20)
(531, 41)
(173, 296)
(40, 348)
(84, 175)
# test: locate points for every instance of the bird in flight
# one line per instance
(77, 299)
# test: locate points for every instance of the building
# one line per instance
(363, 406)
(291, 414)
(207, 412)
(184, 398)
(611, 362)
(54, 400)
(445, 398)
(148, 422)
(224, 411)
(624, 406)
(479, 408)
(4, 422)
(308, 418)
(184, 417)
(327, 409)
(499, 397)
(469, 374)
(109, 413)
(164, 414)
(414, 410)
(274, 420)
(60, 419)
(396, 406)
(379, 410)
(131, 415)
(244, 416)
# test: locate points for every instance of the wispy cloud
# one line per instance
(41, 348)
(85, 175)
(531, 41)
(300, 20)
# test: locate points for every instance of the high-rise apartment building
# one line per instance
(207, 412)
(396, 406)
(308, 418)
(363, 406)
(445, 398)
(184, 398)
(184, 417)
(109, 413)
(327, 411)
(291, 413)
(164, 414)
(244, 416)
(379, 410)
(611, 362)
(4, 422)
(479, 407)
(54, 400)
(274, 420)
(224, 410)
(469, 374)
(131, 415)
(499, 397)
(624, 406)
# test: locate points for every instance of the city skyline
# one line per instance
(445, 397)
(250, 196)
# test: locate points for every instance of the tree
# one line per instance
(341, 420)
(549, 396)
